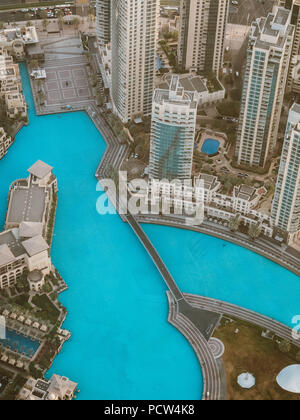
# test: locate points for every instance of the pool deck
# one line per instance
(208, 134)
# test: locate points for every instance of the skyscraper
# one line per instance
(133, 44)
(268, 57)
(202, 34)
(293, 83)
(103, 21)
(286, 201)
(172, 132)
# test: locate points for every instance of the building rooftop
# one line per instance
(11, 239)
(30, 229)
(26, 204)
(35, 245)
(6, 256)
(40, 169)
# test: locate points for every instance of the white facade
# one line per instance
(172, 137)
(268, 57)
(286, 201)
(202, 34)
(217, 206)
(134, 25)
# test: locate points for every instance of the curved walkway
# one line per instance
(209, 365)
(220, 307)
(261, 246)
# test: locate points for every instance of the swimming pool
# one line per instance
(210, 146)
(20, 343)
(122, 346)
(159, 63)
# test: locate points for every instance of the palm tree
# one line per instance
(234, 223)
(254, 230)
(76, 23)
(91, 19)
(45, 23)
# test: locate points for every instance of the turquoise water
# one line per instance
(20, 343)
(122, 346)
(210, 146)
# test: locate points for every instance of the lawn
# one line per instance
(247, 351)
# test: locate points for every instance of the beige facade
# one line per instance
(202, 35)
(58, 388)
(293, 83)
(134, 31)
(14, 40)
(15, 105)
(23, 248)
(11, 86)
(5, 142)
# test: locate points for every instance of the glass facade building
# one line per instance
(286, 201)
(172, 133)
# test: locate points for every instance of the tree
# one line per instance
(45, 23)
(234, 223)
(76, 23)
(285, 346)
(254, 230)
(44, 14)
(34, 63)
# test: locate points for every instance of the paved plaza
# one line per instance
(67, 76)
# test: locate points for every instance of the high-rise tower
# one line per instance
(172, 132)
(133, 46)
(268, 57)
(202, 34)
(286, 201)
(103, 21)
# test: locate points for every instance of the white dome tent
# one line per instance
(289, 379)
(246, 380)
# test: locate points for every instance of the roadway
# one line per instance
(248, 10)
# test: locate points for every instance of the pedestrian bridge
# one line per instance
(204, 320)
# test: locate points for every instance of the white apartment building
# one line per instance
(217, 206)
(293, 83)
(134, 26)
(268, 57)
(103, 21)
(5, 142)
(202, 34)
(286, 201)
(23, 248)
(172, 136)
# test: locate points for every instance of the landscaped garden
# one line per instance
(247, 351)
